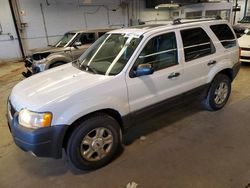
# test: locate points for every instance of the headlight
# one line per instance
(41, 64)
(34, 120)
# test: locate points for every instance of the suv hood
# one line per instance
(51, 49)
(53, 86)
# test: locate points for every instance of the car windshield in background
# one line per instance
(109, 54)
(246, 19)
(65, 39)
(85, 38)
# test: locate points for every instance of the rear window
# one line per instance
(224, 34)
(196, 43)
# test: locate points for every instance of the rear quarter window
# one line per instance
(224, 34)
(196, 43)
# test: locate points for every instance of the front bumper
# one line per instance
(32, 67)
(43, 142)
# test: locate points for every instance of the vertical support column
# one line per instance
(17, 23)
(236, 4)
(246, 4)
(44, 24)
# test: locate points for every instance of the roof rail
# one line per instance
(181, 21)
(160, 20)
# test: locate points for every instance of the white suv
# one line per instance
(85, 107)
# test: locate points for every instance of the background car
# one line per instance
(67, 49)
(244, 43)
(242, 26)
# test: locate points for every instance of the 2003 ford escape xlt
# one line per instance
(85, 107)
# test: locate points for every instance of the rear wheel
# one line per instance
(94, 143)
(219, 93)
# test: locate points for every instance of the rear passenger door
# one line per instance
(198, 56)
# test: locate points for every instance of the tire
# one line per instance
(218, 93)
(94, 142)
(56, 64)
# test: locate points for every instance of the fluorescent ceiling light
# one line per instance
(170, 5)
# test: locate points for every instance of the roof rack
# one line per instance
(160, 20)
(180, 20)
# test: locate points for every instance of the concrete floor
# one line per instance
(184, 147)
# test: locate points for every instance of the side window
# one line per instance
(196, 43)
(160, 51)
(86, 38)
(224, 34)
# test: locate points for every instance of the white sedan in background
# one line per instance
(244, 43)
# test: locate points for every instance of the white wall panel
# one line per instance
(64, 15)
(8, 48)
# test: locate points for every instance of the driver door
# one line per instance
(161, 52)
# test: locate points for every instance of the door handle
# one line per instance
(211, 62)
(173, 75)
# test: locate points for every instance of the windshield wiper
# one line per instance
(87, 68)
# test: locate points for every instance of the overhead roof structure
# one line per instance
(168, 3)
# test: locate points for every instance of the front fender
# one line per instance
(57, 57)
(83, 108)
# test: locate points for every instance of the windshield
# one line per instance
(109, 54)
(246, 19)
(65, 39)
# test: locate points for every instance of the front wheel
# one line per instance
(94, 142)
(219, 93)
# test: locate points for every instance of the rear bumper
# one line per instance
(236, 69)
(44, 142)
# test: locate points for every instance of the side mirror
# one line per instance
(246, 31)
(76, 44)
(144, 69)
